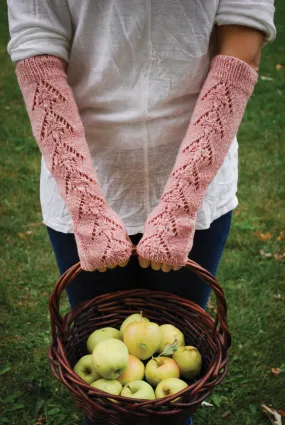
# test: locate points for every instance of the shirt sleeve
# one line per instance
(39, 27)
(258, 14)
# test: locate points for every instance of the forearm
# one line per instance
(59, 132)
(241, 42)
(169, 231)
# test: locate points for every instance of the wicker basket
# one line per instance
(69, 335)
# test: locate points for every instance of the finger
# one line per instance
(144, 263)
(113, 266)
(102, 269)
(176, 268)
(166, 268)
(124, 263)
(155, 265)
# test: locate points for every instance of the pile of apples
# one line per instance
(120, 360)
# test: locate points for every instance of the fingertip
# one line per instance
(124, 263)
(176, 268)
(144, 263)
(166, 268)
(102, 269)
(155, 265)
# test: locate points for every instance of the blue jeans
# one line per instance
(207, 250)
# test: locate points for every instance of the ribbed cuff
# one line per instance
(39, 68)
(236, 71)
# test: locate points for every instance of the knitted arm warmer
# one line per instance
(169, 230)
(100, 235)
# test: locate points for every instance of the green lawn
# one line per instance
(252, 271)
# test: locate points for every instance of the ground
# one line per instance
(252, 271)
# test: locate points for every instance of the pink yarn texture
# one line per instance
(100, 234)
(169, 231)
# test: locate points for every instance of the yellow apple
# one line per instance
(169, 386)
(101, 335)
(142, 339)
(110, 358)
(189, 361)
(109, 386)
(138, 389)
(160, 368)
(134, 372)
(169, 334)
(132, 318)
(86, 370)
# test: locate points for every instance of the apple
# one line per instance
(110, 358)
(138, 389)
(169, 387)
(107, 385)
(134, 372)
(132, 318)
(101, 335)
(189, 361)
(160, 368)
(169, 334)
(86, 370)
(142, 339)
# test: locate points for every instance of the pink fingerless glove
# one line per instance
(100, 234)
(169, 230)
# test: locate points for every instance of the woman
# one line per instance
(151, 95)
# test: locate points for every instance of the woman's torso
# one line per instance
(136, 69)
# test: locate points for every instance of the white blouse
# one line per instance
(136, 68)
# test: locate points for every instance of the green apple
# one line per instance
(101, 335)
(169, 334)
(86, 370)
(109, 386)
(189, 361)
(138, 389)
(169, 386)
(142, 339)
(160, 368)
(110, 358)
(132, 318)
(134, 372)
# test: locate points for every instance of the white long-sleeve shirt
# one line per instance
(136, 68)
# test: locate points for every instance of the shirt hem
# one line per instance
(227, 208)
(58, 226)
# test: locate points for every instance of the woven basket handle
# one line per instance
(207, 277)
(221, 316)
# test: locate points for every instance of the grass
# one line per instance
(252, 270)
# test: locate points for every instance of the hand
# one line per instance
(144, 263)
(102, 240)
(123, 264)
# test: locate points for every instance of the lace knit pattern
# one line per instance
(169, 231)
(100, 234)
